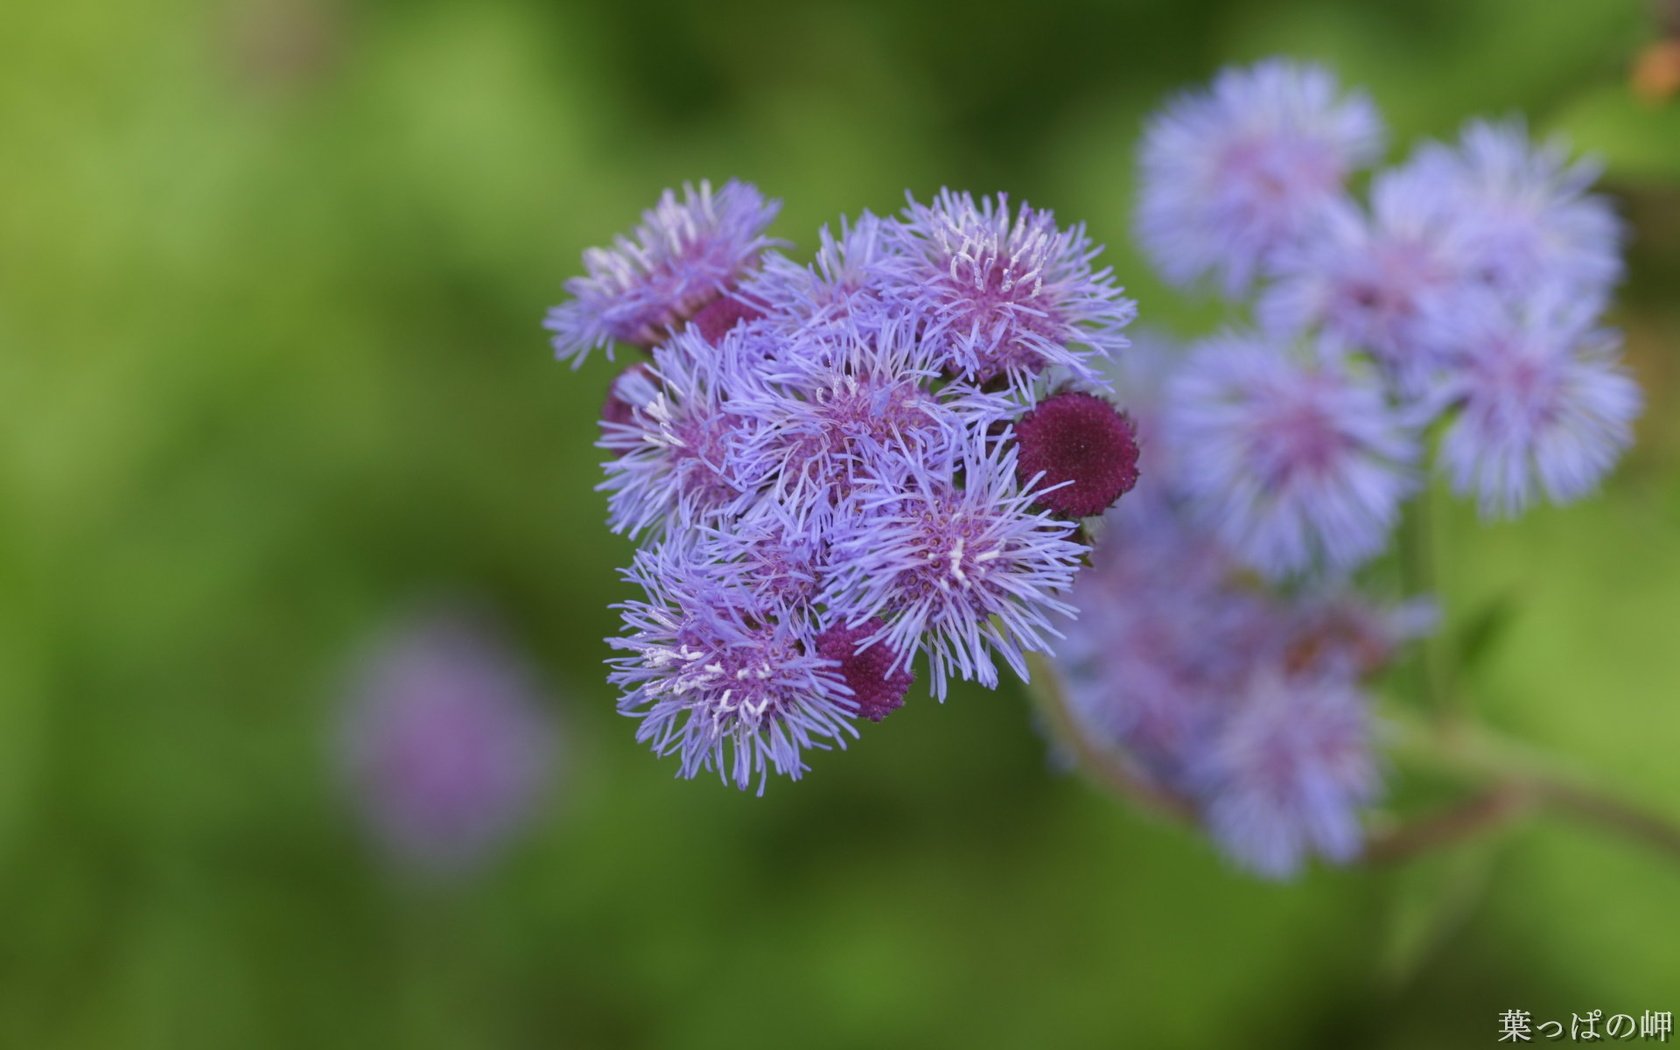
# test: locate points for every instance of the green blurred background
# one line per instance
(271, 371)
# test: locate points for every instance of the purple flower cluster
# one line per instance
(1224, 645)
(836, 468)
(1464, 290)
(1245, 700)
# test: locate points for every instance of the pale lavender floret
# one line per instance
(1293, 463)
(446, 745)
(674, 457)
(1368, 281)
(1007, 295)
(1286, 774)
(716, 681)
(1232, 174)
(960, 573)
(1527, 217)
(840, 292)
(685, 253)
(858, 407)
(1543, 405)
(1163, 638)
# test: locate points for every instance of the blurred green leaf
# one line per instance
(1428, 903)
(1638, 141)
(1485, 629)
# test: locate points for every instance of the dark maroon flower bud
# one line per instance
(877, 690)
(722, 314)
(1083, 440)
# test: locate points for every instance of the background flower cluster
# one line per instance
(1444, 315)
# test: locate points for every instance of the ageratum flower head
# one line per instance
(1528, 219)
(686, 253)
(877, 679)
(1294, 462)
(961, 571)
(1540, 401)
(1232, 174)
(1080, 450)
(1288, 770)
(675, 457)
(781, 560)
(1007, 295)
(719, 678)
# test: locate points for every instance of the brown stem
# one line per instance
(1108, 770)
(1597, 809)
(1481, 812)
(1478, 754)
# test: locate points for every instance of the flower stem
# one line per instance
(1476, 814)
(1418, 554)
(1535, 778)
(1102, 767)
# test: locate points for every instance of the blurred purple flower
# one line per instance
(1241, 700)
(1162, 639)
(1528, 218)
(446, 747)
(1370, 282)
(1542, 403)
(1293, 463)
(1288, 769)
(1234, 173)
(684, 254)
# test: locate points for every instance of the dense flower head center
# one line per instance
(700, 453)
(737, 682)
(1297, 438)
(1277, 169)
(1531, 385)
(881, 407)
(1001, 282)
(955, 551)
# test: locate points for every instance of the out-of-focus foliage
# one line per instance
(271, 371)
